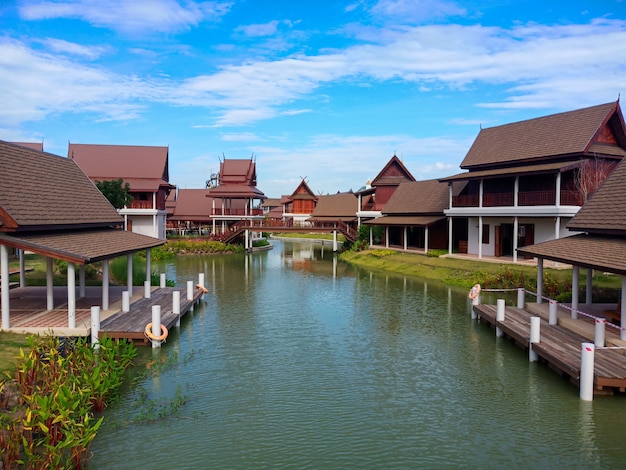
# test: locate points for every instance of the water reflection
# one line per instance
(298, 360)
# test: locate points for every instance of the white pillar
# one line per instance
(125, 301)
(535, 337)
(201, 283)
(176, 305)
(589, 287)
(146, 289)
(515, 239)
(557, 201)
(334, 240)
(386, 236)
(162, 282)
(586, 371)
(516, 193)
(129, 274)
(189, 290)
(71, 295)
(49, 285)
(539, 280)
(450, 248)
(500, 308)
(575, 289)
(371, 236)
(95, 326)
(105, 284)
(475, 301)
(156, 325)
(425, 239)
(404, 237)
(600, 327)
(520, 297)
(480, 236)
(4, 286)
(553, 312)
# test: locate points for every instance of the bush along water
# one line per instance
(59, 385)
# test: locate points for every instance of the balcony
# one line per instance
(140, 205)
(525, 198)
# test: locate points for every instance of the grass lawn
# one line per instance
(10, 344)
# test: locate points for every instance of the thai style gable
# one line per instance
(301, 201)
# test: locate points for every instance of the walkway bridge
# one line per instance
(281, 226)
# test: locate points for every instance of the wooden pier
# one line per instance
(560, 346)
(131, 325)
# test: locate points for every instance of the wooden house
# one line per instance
(526, 180)
(373, 197)
(188, 212)
(599, 243)
(50, 207)
(144, 168)
(236, 196)
(299, 206)
(337, 208)
(413, 218)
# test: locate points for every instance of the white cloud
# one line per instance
(128, 16)
(72, 48)
(256, 30)
(416, 10)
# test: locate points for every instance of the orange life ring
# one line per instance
(202, 288)
(148, 333)
(474, 291)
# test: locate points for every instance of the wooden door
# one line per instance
(497, 240)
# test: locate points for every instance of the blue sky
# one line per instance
(325, 90)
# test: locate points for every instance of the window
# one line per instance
(485, 234)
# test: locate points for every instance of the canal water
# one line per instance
(298, 361)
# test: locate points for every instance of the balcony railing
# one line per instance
(237, 212)
(140, 205)
(525, 198)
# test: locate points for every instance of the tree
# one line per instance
(116, 191)
(591, 175)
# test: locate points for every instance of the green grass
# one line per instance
(10, 344)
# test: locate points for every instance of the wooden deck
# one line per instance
(131, 325)
(560, 347)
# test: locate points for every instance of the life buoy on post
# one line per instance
(474, 291)
(202, 288)
(151, 337)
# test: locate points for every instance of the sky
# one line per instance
(323, 90)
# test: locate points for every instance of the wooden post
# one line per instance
(105, 284)
(176, 305)
(71, 295)
(125, 301)
(146, 289)
(520, 297)
(162, 280)
(553, 312)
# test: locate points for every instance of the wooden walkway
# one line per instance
(131, 325)
(560, 348)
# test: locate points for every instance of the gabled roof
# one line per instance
(558, 135)
(237, 171)
(145, 168)
(192, 204)
(303, 191)
(271, 202)
(336, 206)
(44, 191)
(605, 212)
(418, 198)
(393, 173)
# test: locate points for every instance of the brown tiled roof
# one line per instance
(271, 202)
(192, 204)
(408, 220)
(145, 168)
(588, 251)
(82, 246)
(43, 191)
(516, 170)
(418, 198)
(236, 191)
(338, 206)
(562, 134)
(605, 212)
(393, 173)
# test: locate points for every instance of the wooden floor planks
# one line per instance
(559, 348)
